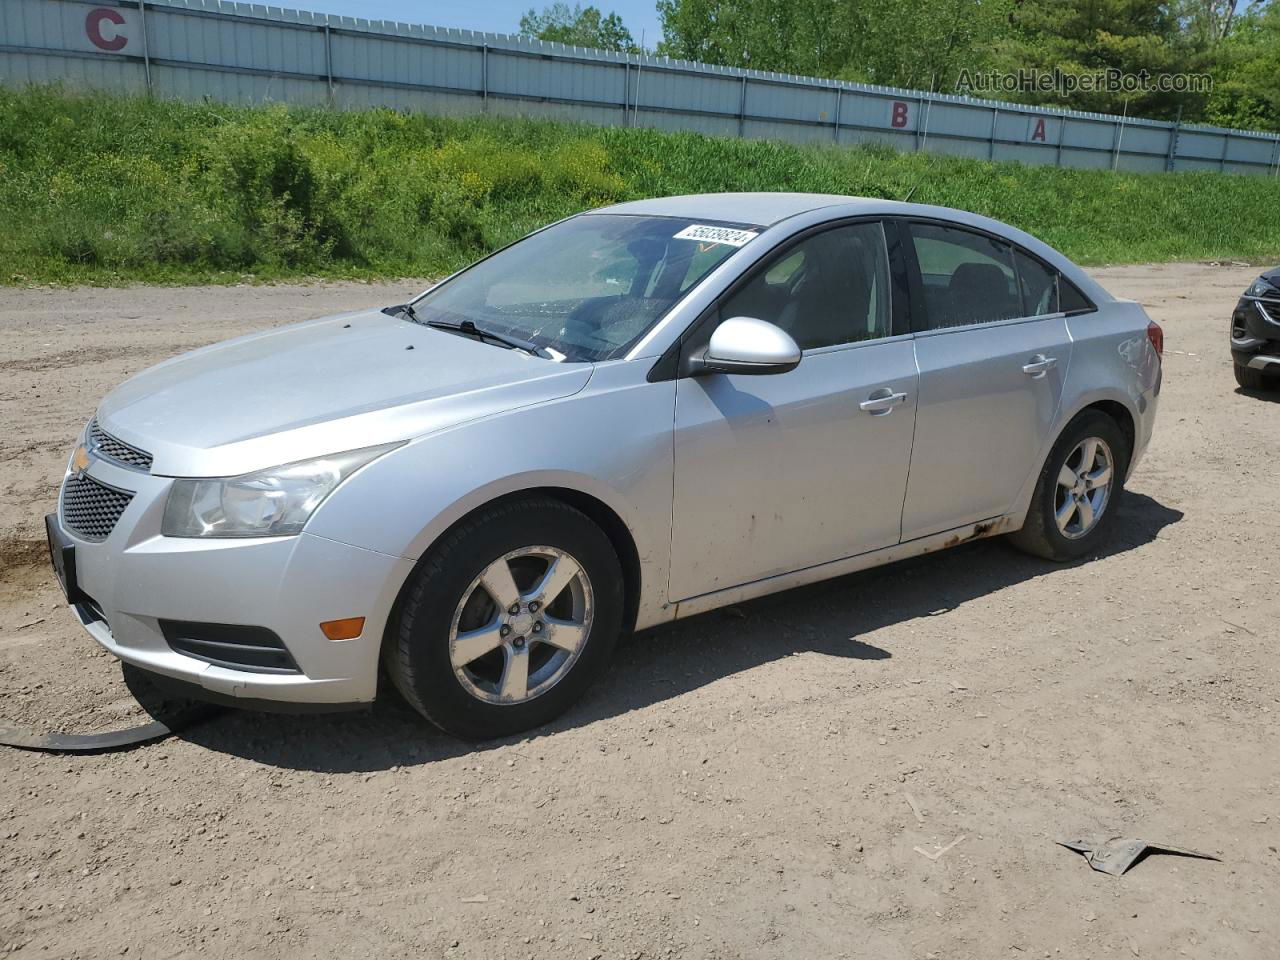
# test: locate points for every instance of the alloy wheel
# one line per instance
(1084, 487)
(521, 625)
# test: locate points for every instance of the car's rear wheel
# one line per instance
(1076, 495)
(1251, 379)
(508, 620)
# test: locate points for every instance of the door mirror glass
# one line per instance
(748, 345)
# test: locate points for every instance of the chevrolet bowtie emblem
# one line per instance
(80, 460)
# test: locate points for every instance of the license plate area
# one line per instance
(62, 557)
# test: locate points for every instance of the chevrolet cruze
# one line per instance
(633, 415)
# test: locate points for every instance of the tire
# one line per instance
(1041, 534)
(447, 601)
(1250, 379)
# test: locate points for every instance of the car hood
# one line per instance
(321, 387)
(1272, 276)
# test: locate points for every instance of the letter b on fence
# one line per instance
(899, 115)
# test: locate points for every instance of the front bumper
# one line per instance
(1255, 334)
(136, 578)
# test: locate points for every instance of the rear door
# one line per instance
(775, 473)
(992, 349)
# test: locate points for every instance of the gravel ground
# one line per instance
(774, 780)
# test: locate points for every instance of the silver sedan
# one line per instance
(636, 414)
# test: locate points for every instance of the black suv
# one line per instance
(1255, 334)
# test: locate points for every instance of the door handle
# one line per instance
(882, 402)
(1039, 365)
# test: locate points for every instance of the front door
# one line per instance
(777, 473)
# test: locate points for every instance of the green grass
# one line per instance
(113, 190)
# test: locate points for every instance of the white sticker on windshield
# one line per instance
(707, 234)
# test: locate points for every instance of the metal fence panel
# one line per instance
(962, 148)
(1141, 163)
(1024, 153)
(1249, 150)
(1152, 141)
(100, 74)
(714, 95)
(1193, 146)
(249, 53)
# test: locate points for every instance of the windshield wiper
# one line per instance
(468, 328)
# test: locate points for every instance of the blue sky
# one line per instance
(498, 16)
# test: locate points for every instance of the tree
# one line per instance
(579, 27)
(1088, 37)
(791, 37)
(926, 44)
(911, 43)
(1246, 90)
(1205, 22)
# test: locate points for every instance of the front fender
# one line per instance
(612, 442)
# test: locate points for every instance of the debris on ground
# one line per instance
(938, 851)
(1115, 855)
(911, 802)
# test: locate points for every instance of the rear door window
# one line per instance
(968, 277)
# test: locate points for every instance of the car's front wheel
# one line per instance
(1251, 379)
(1078, 490)
(508, 619)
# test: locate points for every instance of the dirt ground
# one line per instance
(772, 781)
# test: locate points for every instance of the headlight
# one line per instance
(1262, 288)
(276, 502)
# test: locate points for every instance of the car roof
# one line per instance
(758, 209)
(767, 209)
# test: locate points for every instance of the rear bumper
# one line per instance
(134, 579)
(1144, 425)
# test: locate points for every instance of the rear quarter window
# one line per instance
(1070, 299)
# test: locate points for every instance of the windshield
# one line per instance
(587, 288)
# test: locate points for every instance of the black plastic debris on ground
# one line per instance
(166, 716)
(1115, 855)
(23, 739)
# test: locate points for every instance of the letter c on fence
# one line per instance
(93, 27)
(899, 119)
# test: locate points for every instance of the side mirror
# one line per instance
(747, 345)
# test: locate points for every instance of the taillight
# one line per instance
(1156, 335)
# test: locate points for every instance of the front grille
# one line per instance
(1270, 310)
(115, 449)
(255, 649)
(91, 508)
